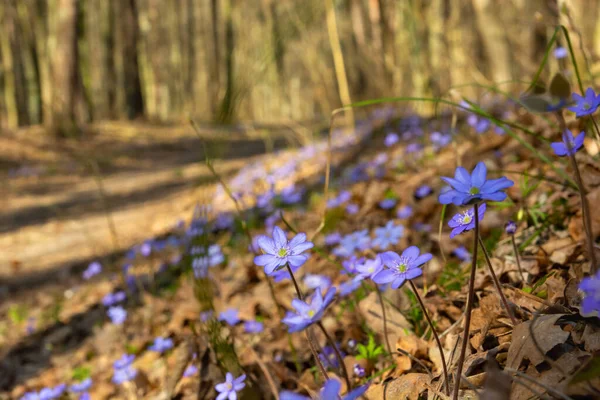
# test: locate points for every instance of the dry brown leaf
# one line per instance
(406, 387)
(547, 334)
(497, 383)
(370, 308)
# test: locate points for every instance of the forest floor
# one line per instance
(54, 327)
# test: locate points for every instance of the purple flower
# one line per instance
(562, 148)
(253, 326)
(82, 386)
(370, 268)
(350, 264)
(333, 238)
(421, 227)
(440, 140)
(124, 361)
(388, 235)
(93, 269)
(462, 253)
(386, 204)
(46, 393)
(206, 315)
(331, 390)
(465, 221)
(511, 227)
(585, 105)
(307, 314)
(146, 248)
(291, 194)
(117, 315)
(468, 188)
(161, 344)
(413, 148)
(391, 139)
(358, 371)
(329, 358)
(224, 221)
(352, 208)
(350, 286)
(423, 191)
(358, 240)
(113, 298)
(190, 371)
(280, 252)
(401, 267)
(230, 316)
(314, 281)
(124, 375)
(283, 274)
(590, 286)
(560, 52)
(228, 389)
(404, 212)
(341, 198)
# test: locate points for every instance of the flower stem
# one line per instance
(435, 335)
(337, 353)
(585, 207)
(470, 300)
(516, 250)
(497, 283)
(311, 344)
(387, 340)
(597, 130)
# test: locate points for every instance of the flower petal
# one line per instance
(411, 253)
(559, 149)
(479, 174)
(297, 260)
(463, 176)
(279, 237)
(384, 276)
(296, 240)
(266, 244)
(398, 282)
(422, 259)
(331, 389)
(389, 258)
(263, 259)
(458, 185)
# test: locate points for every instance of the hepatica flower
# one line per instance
(330, 391)
(45, 393)
(308, 313)
(329, 358)
(391, 139)
(358, 240)
(462, 253)
(117, 315)
(279, 252)
(124, 361)
(113, 298)
(388, 235)
(585, 105)
(560, 52)
(401, 267)
(253, 326)
(404, 212)
(314, 281)
(471, 188)
(190, 371)
(350, 264)
(561, 149)
(82, 386)
(423, 191)
(230, 316)
(465, 221)
(510, 227)
(590, 286)
(93, 269)
(228, 389)
(369, 268)
(161, 344)
(387, 203)
(333, 238)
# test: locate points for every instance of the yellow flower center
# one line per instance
(474, 190)
(402, 267)
(311, 313)
(282, 252)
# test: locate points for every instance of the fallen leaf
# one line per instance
(406, 387)
(497, 383)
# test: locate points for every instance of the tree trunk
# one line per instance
(134, 101)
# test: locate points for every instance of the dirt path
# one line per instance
(150, 179)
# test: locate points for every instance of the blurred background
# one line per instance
(66, 63)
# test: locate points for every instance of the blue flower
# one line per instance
(560, 52)
(230, 316)
(386, 204)
(585, 105)
(161, 344)
(307, 314)
(124, 361)
(228, 389)
(358, 370)
(469, 188)
(117, 315)
(341, 198)
(369, 268)
(333, 238)
(45, 393)
(440, 140)
(358, 240)
(423, 191)
(314, 281)
(391, 139)
(462, 253)
(113, 298)
(291, 194)
(590, 286)
(93, 269)
(401, 268)
(329, 358)
(190, 371)
(511, 227)
(352, 208)
(280, 252)
(253, 326)
(388, 235)
(82, 386)
(330, 391)
(350, 286)
(465, 221)
(561, 149)
(405, 212)
(283, 274)
(124, 375)
(350, 264)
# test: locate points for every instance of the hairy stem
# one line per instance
(311, 344)
(516, 250)
(585, 207)
(337, 353)
(385, 335)
(497, 283)
(470, 300)
(435, 335)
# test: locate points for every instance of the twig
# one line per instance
(385, 335)
(266, 372)
(516, 250)
(470, 300)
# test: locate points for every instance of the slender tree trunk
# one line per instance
(134, 101)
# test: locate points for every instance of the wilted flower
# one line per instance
(511, 227)
(308, 313)
(569, 145)
(465, 221)
(388, 235)
(468, 188)
(401, 267)
(228, 389)
(280, 252)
